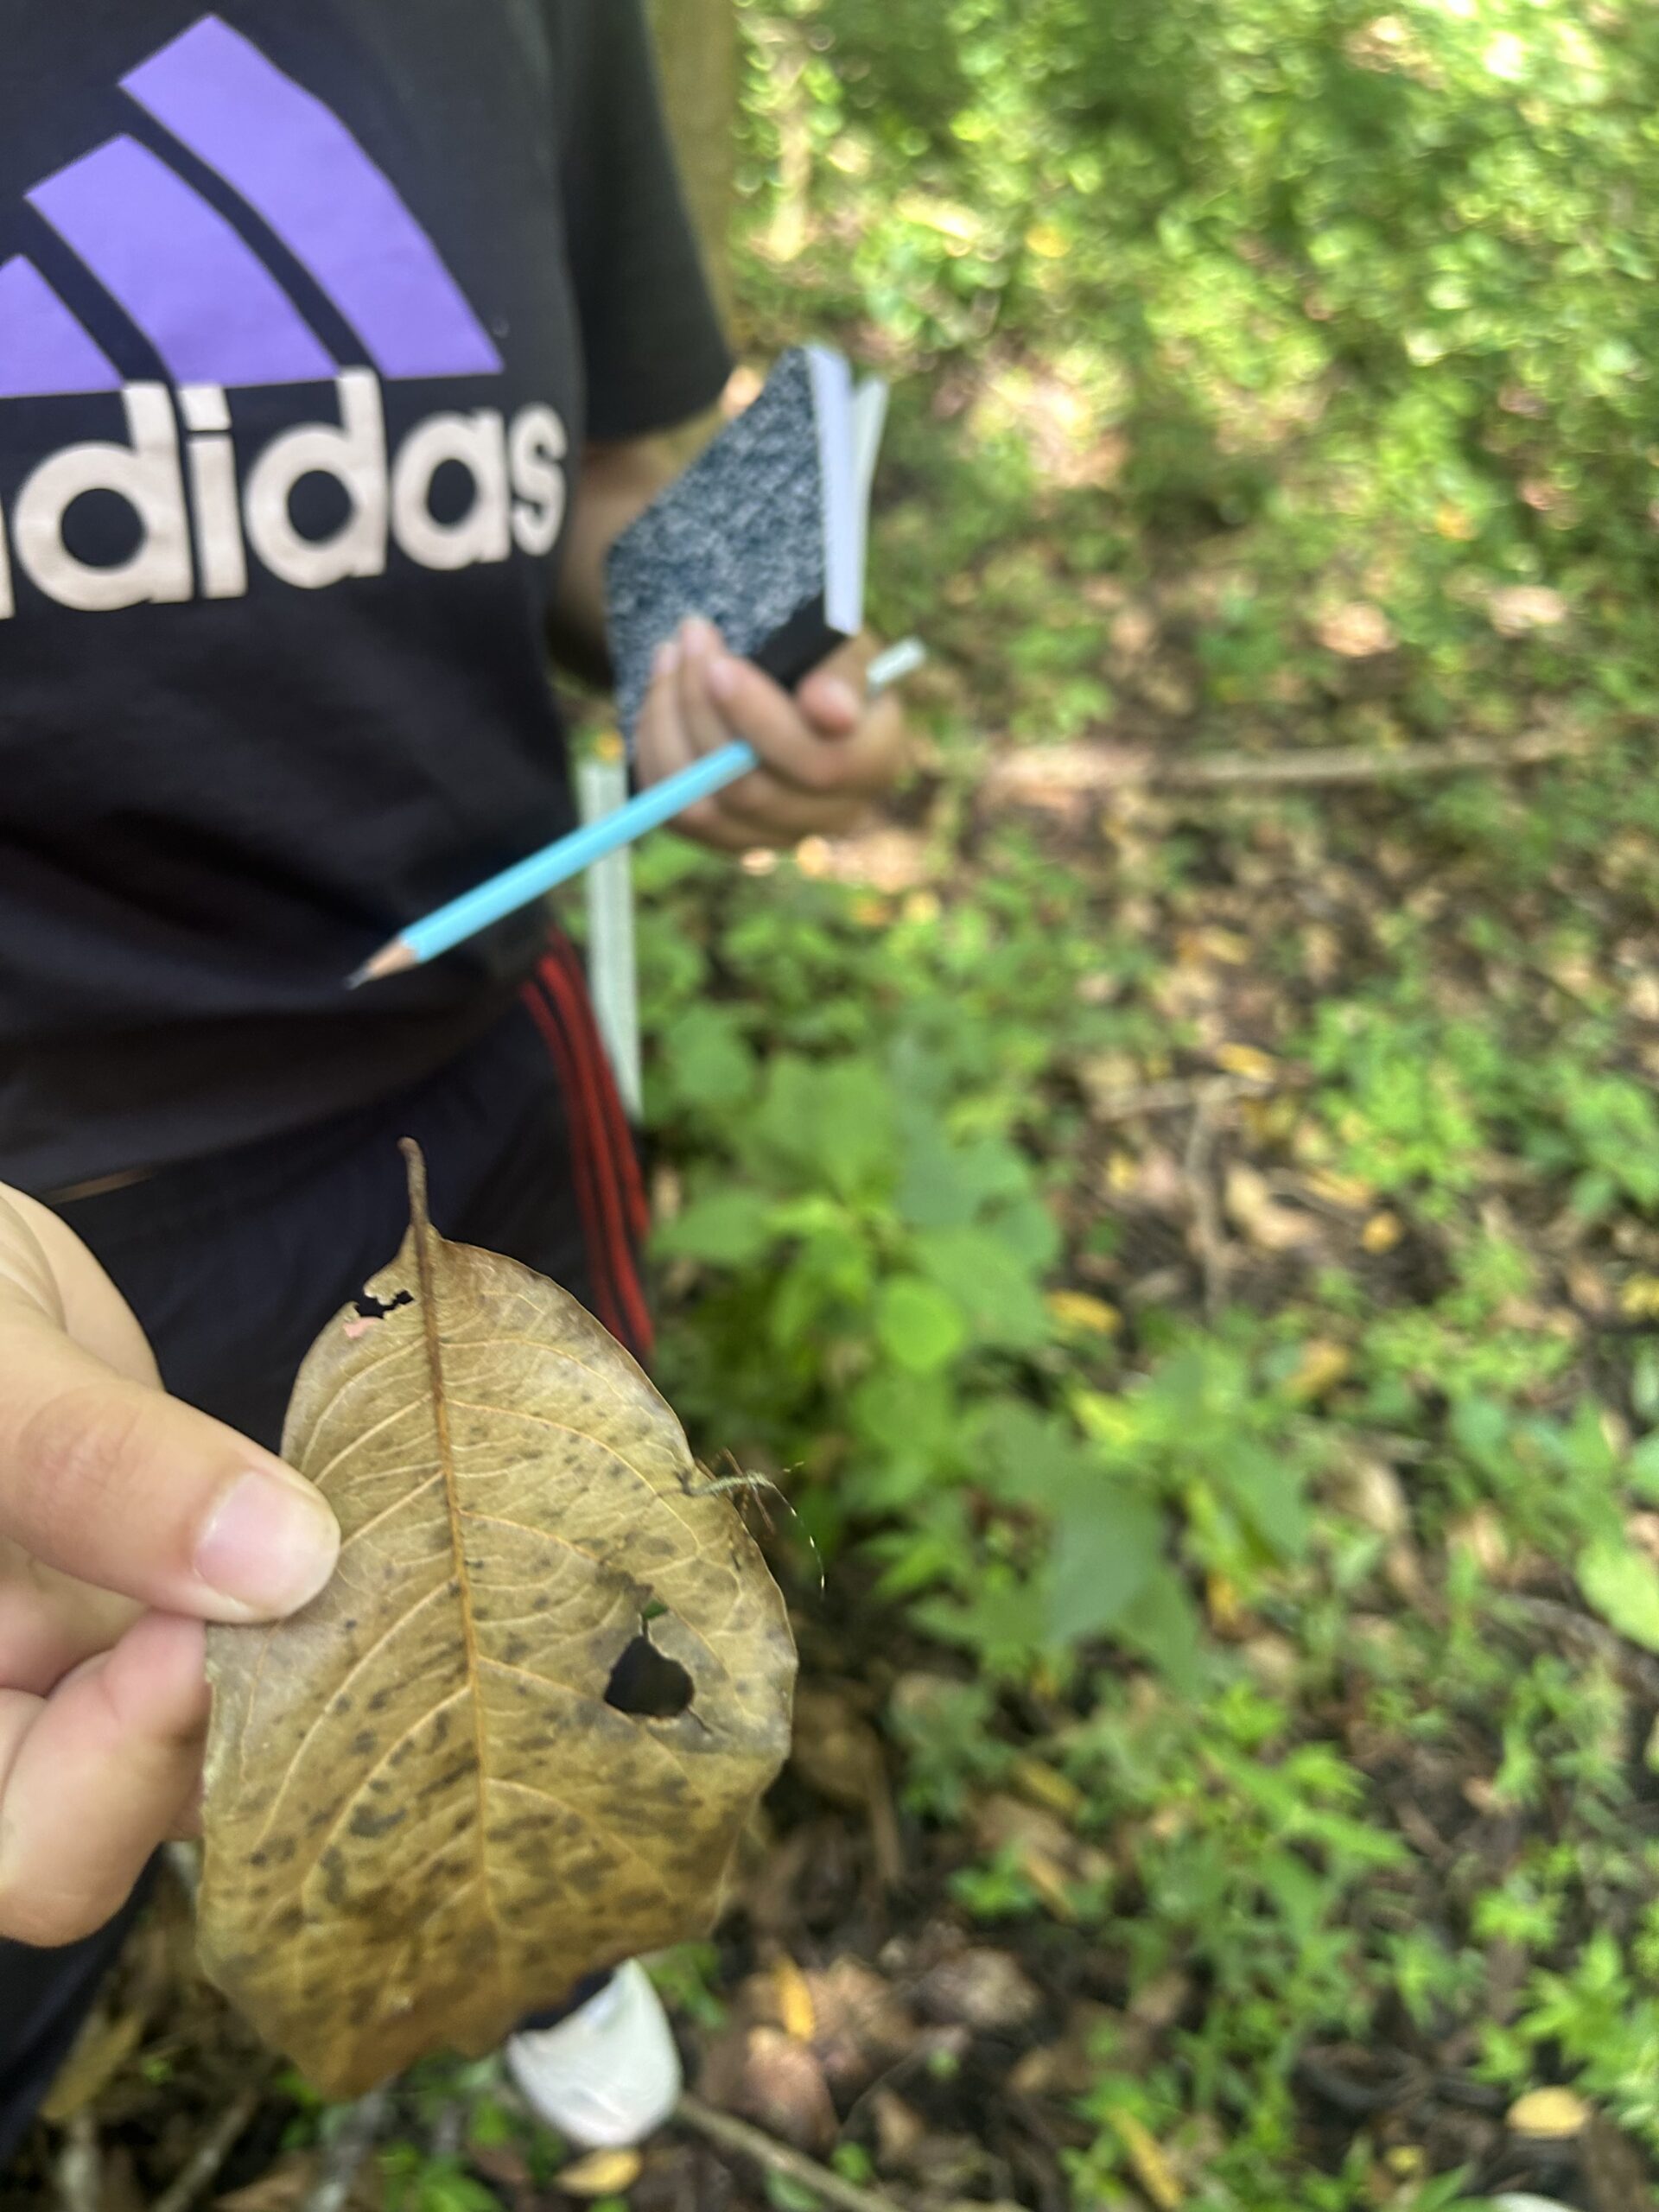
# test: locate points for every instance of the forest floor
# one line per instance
(1335, 1095)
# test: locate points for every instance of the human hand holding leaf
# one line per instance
(516, 1736)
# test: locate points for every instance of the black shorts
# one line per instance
(233, 1265)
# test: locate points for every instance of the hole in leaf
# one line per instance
(376, 1309)
(647, 1683)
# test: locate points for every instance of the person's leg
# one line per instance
(233, 1265)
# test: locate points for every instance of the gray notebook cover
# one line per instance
(740, 539)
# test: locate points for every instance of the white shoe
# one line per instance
(609, 2074)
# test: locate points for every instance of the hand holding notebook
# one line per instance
(765, 536)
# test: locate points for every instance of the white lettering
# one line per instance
(145, 474)
(204, 407)
(210, 457)
(355, 456)
(479, 442)
(536, 443)
(520, 479)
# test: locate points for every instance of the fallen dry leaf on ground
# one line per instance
(517, 1738)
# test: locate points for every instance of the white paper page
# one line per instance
(843, 558)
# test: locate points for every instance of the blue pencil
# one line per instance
(504, 894)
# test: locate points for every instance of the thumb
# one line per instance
(108, 1479)
(829, 703)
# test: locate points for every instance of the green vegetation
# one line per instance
(1271, 1467)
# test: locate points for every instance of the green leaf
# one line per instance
(706, 1060)
(787, 2195)
(1003, 1621)
(1644, 1467)
(1000, 1293)
(1622, 1585)
(826, 1122)
(944, 1185)
(1102, 1558)
(729, 1229)
(1268, 1492)
(1029, 1459)
(1162, 1623)
(919, 1324)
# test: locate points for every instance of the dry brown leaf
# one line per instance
(1259, 1216)
(101, 2050)
(1145, 2154)
(1549, 2115)
(601, 2173)
(795, 2007)
(979, 1988)
(1517, 608)
(1044, 1786)
(1321, 1367)
(283, 2188)
(1356, 630)
(763, 2075)
(517, 1738)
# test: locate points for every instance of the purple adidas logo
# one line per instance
(218, 320)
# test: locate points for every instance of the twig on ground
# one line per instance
(1198, 1169)
(1061, 773)
(79, 2172)
(199, 2170)
(780, 2159)
(1364, 764)
(1175, 1096)
(343, 2156)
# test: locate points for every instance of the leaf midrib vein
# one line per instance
(425, 1237)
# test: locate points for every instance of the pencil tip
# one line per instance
(391, 960)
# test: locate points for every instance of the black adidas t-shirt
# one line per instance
(306, 308)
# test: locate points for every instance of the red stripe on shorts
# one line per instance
(558, 1000)
(623, 1155)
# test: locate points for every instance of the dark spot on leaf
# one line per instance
(646, 1683)
(259, 1858)
(364, 1741)
(441, 1782)
(366, 1821)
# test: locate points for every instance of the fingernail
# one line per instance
(271, 1545)
(722, 676)
(699, 636)
(666, 657)
(839, 697)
